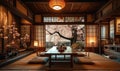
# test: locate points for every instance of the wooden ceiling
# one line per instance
(72, 6)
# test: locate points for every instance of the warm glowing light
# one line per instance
(40, 44)
(117, 25)
(92, 41)
(57, 7)
(57, 4)
(36, 43)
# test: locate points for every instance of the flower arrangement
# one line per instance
(61, 48)
(25, 40)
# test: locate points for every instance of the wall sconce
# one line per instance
(36, 43)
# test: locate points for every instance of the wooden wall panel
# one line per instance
(38, 18)
(21, 8)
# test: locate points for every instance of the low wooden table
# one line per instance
(55, 55)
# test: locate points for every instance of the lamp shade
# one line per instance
(36, 43)
(57, 4)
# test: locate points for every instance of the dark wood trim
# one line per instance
(61, 15)
(26, 7)
(115, 28)
(14, 2)
(64, 23)
(99, 37)
(25, 24)
(67, 0)
(85, 17)
(110, 1)
(54, 12)
(0, 2)
(109, 31)
(2, 44)
(71, 8)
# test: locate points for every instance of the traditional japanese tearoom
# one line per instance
(59, 35)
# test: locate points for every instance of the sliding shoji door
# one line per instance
(91, 38)
(39, 35)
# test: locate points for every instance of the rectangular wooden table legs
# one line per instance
(65, 57)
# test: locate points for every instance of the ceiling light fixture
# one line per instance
(57, 4)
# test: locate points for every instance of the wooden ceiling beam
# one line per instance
(111, 15)
(36, 6)
(62, 12)
(72, 7)
(66, 0)
(62, 15)
(45, 8)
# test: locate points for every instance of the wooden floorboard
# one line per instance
(100, 64)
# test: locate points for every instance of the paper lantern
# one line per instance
(57, 4)
(36, 43)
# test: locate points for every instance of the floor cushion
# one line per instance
(38, 60)
(83, 60)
